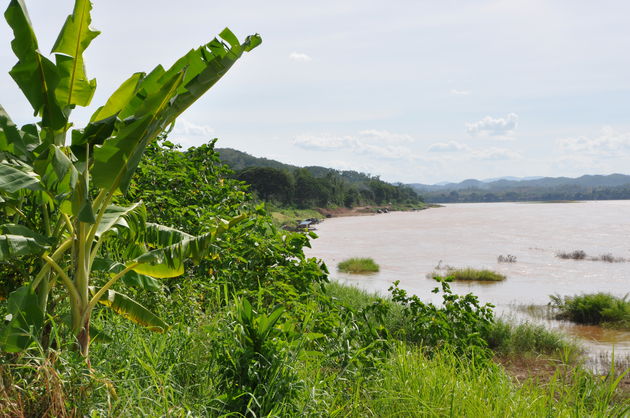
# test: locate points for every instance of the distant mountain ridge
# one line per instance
(586, 187)
(588, 180)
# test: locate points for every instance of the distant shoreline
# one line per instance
(369, 210)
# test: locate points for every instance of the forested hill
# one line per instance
(307, 187)
(587, 187)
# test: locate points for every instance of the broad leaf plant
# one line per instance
(68, 179)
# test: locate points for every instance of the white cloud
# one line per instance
(186, 128)
(385, 136)
(608, 143)
(323, 142)
(456, 92)
(300, 57)
(381, 144)
(496, 154)
(489, 126)
(450, 146)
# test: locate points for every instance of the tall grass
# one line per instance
(522, 339)
(411, 384)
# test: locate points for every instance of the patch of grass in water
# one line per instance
(470, 274)
(595, 308)
(358, 266)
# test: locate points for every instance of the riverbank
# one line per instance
(371, 210)
(292, 216)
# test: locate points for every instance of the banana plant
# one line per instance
(58, 183)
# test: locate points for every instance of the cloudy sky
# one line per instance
(413, 91)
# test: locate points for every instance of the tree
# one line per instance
(268, 183)
(58, 198)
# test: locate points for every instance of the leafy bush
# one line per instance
(596, 308)
(358, 266)
(461, 322)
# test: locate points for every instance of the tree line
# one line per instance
(315, 186)
(572, 192)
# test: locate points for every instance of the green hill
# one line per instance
(314, 186)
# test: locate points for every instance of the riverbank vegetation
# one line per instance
(358, 265)
(102, 236)
(289, 186)
(597, 308)
(468, 274)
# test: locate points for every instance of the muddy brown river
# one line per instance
(409, 245)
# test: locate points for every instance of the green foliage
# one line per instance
(315, 186)
(256, 374)
(446, 384)
(475, 274)
(461, 322)
(358, 266)
(596, 308)
(525, 338)
(468, 274)
(60, 197)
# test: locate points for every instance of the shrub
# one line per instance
(596, 308)
(459, 323)
(358, 266)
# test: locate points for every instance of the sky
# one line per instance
(411, 91)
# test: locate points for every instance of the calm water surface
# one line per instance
(409, 245)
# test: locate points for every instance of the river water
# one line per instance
(409, 245)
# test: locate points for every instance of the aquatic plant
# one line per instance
(506, 258)
(469, 274)
(595, 308)
(358, 266)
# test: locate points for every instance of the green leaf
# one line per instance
(119, 100)
(169, 261)
(159, 98)
(266, 325)
(14, 229)
(12, 246)
(131, 278)
(131, 217)
(56, 170)
(13, 179)
(162, 236)
(36, 75)
(18, 143)
(132, 310)
(26, 321)
(74, 88)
